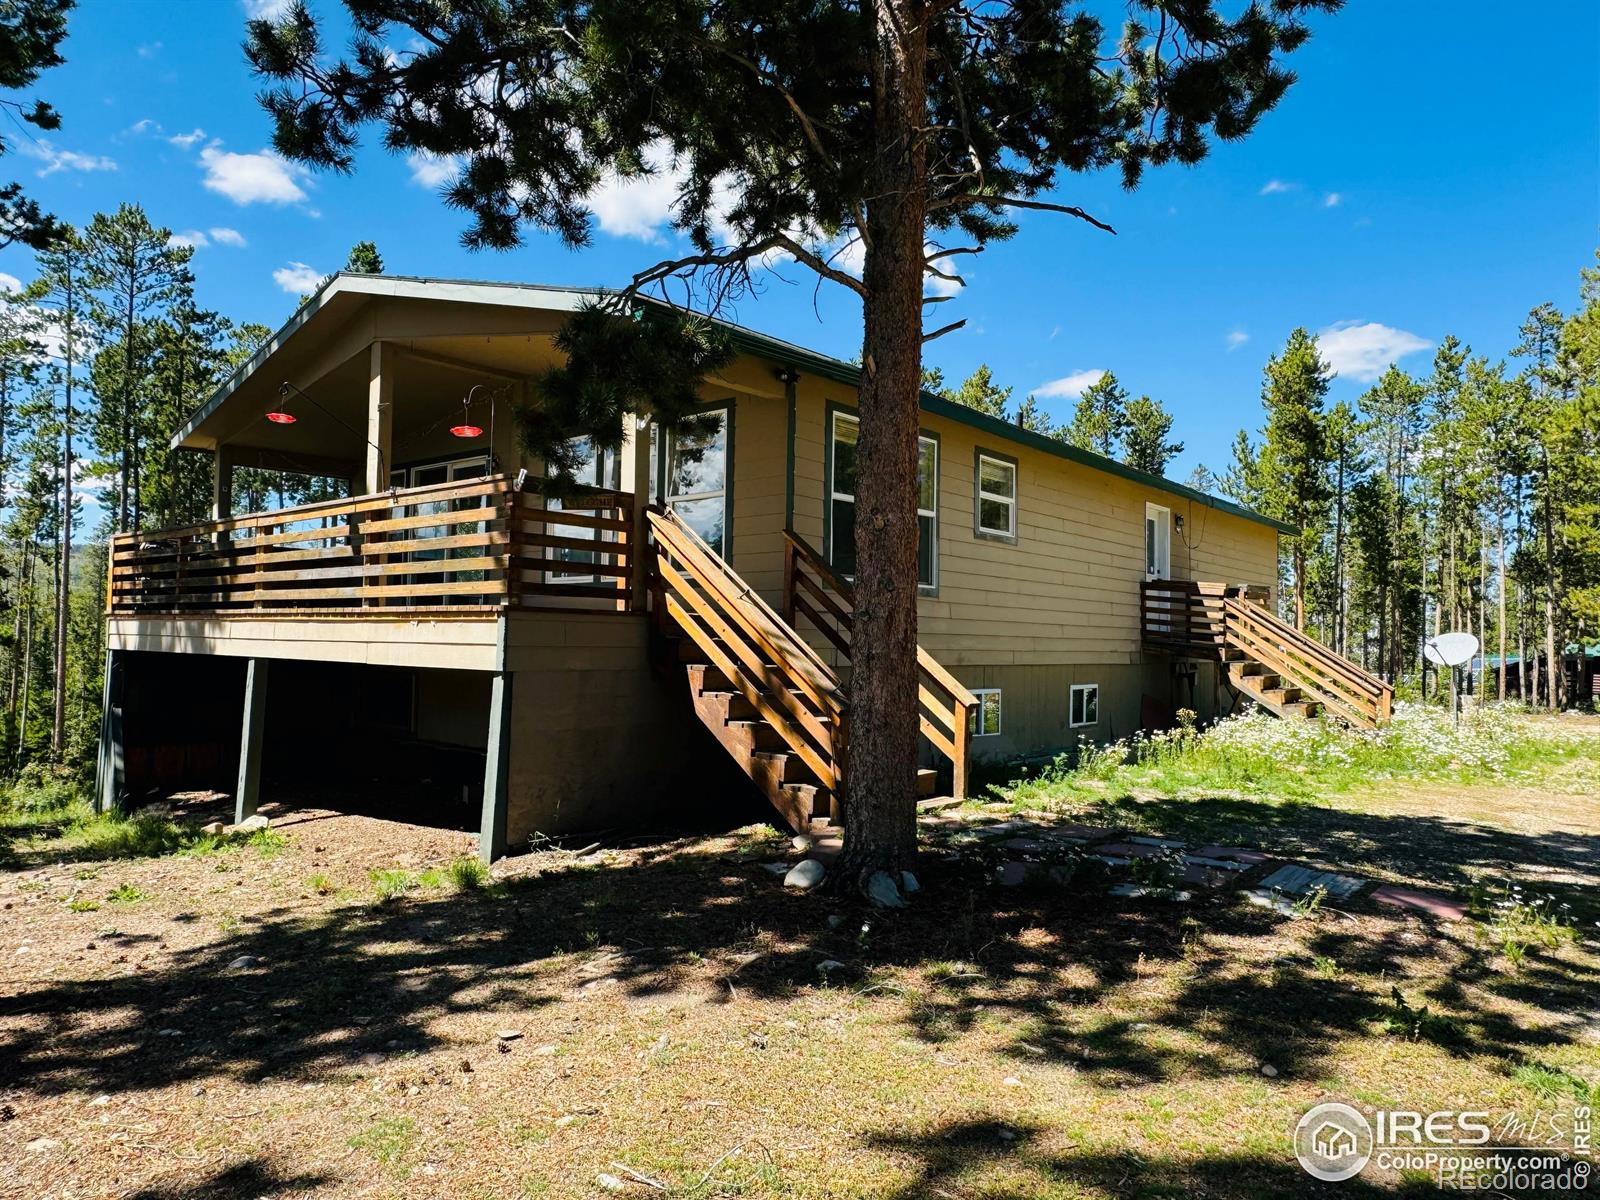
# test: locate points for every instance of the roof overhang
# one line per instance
(342, 294)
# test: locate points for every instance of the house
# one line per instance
(679, 626)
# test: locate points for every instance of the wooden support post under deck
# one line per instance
(380, 417)
(109, 777)
(496, 770)
(253, 727)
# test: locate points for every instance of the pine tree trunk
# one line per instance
(27, 652)
(58, 729)
(880, 801)
(1501, 552)
(1553, 662)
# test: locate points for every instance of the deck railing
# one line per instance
(812, 589)
(456, 549)
(1206, 619)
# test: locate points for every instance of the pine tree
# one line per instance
(135, 273)
(60, 290)
(1347, 466)
(1146, 426)
(1033, 418)
(31, 33)
(788, 127)
(1292, 464)
(979, 392)
(1394, 407)
(1099, 418)
(364, 259)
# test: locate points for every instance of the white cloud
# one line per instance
(1363, 349)
(261, 178)
(185, 141)
(147, 125)
(638, 207)
(56, 159)
(933, 285)
(1237, 338)
(9, 283)
(149, 50)
(1332, 200)
(1070, 385)
(297, 278)
(223, 236)
(1273, 186)
(432, 170)
(189, 237)
(265, 10)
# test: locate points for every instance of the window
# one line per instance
(984, 720)
(845, 433)
(696, 475)
(996, 486)
(1084, 706)
(595, 469)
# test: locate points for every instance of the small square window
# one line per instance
(1084, 705)
(996, 488)
(984, 719)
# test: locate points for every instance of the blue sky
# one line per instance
(1434, 171)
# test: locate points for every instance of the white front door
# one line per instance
(1157, 542)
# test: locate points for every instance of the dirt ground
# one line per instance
(664, 1019)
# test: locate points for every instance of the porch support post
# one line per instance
(248, 791)
(496, 770)
(380, 417)
(635, 473)
(110, 759)
(222, 482)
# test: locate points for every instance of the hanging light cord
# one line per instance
(383, 463)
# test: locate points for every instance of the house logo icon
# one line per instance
(1333, 1142)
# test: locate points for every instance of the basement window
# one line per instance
(1084, 705)
(984, 720)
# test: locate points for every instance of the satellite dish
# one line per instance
(1450, 649)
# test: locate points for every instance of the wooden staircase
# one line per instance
(773, 702)
(1279, 667)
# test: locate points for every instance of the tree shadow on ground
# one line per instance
(1438, 851)
(250, 1180)
(1011, 1162)
(334, 987)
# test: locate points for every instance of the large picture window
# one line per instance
(844, 433)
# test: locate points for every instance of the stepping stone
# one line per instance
(1002, 828)
(1025, 844)
(1265, 899)
(1218, 864)
(1236, 854)
(1160, 843)
(1138, 891)
(1204, 876)
(1432, 903)
(1130, 849)
(1302, 881)
(1079, 833)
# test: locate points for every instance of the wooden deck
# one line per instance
(1275, 664)
(448, 551)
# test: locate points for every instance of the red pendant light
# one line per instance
(280, 417)
(466, 431)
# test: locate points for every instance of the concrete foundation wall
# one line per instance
(597, 739)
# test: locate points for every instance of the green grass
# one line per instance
(390, 883)
(389, 1140)
(467, 874)
(1257, 755)
(126, 893)
(54, 812)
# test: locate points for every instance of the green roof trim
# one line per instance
(849, 373)
(748, 340)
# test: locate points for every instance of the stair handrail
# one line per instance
(820, 675)
(952, 735)
(1345, 687)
